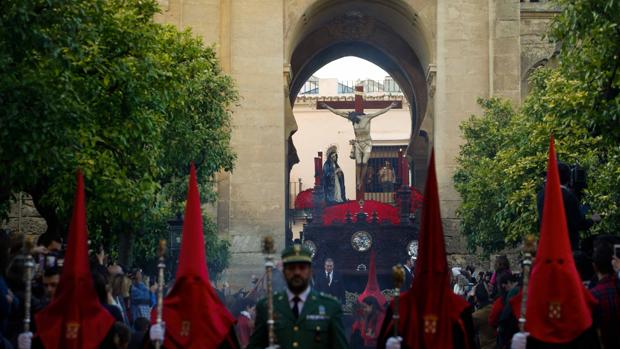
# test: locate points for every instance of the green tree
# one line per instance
(502, 163)
(589, 31)
(98, 85)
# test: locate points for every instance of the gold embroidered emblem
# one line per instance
(430, 324)
(73, 328)
(185, 327)
(555, 310)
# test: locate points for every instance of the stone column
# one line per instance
(257, 184)
(462, 77)
(505, 49)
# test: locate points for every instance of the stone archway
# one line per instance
(386, 34)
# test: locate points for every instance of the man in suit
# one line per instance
(330, 281)
(409, 265)
(303, 317)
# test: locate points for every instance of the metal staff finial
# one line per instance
(268, 246)
(161, 266)
(398, 275)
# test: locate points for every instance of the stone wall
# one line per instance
(24, 218)
(470, 49)
(536, 49)
(463, 75)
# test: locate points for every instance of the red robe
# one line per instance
(244, 329)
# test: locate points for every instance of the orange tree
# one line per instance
(502, 163)
(98, 85)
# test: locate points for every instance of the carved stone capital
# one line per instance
(431, 81)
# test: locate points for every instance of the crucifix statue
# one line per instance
(362, 144)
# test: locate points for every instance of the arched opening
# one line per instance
(318, 128)
(386, 34)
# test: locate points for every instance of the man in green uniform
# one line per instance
(303, 318)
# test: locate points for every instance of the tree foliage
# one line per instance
(98, 85)
(502, 163)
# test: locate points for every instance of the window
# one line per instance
(311, 87)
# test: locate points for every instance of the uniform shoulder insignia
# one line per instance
(263, 300)
(329, 296)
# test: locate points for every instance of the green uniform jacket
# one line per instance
(319, 325)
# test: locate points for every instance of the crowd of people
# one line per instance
(77, 297)
(130, 297)
(124, 293)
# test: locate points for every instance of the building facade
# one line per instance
(444, 55)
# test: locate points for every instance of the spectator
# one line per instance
(245, 321)
(575, 218)
(607, 311)
(501, 265)
(369, 323)
(140, 326)
(330, 281)
(120, 291)
(105, 296)
(386, 177)
(140, 297)
(8, 301)
(50, 280)
(486, 335)
(409, 270)
(460, 282)
(481, 291)
(507, 324)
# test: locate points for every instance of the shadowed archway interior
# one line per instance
(384, 34)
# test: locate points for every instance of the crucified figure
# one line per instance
(363, 142)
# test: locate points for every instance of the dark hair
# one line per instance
(5, 249)
(51, 271)
(507, 277)
(122, 333)
(583, 263)
(564, 171)
(100, 282)
(141, 324)
(502, 263)
(482, 296)
(372, 301)
(116, 284)
(503, 278)
(47, 238)
(602, 256)
(374, 313)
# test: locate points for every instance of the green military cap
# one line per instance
(296, 254)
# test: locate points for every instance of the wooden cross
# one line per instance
(359, 104)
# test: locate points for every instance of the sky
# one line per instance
(351, 68)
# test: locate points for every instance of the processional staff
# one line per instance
(161, 266)
(398, 275)
(29, 266)
(269, 250)
(529, 249)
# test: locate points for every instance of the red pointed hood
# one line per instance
(372, 286)
(430, 309)
(194, 315)
(75, 319)
(556, 314)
